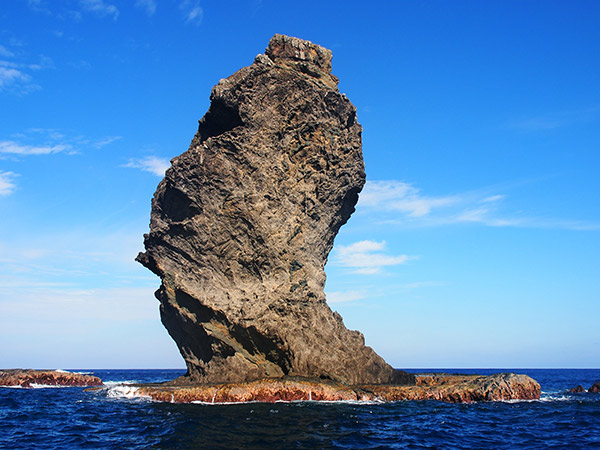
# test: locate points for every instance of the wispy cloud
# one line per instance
(15, 148)
(345, 296)
(554, 120)
(16, 79)
(100, 8)
(15, 75)
(366, 257)
(38, 6)
(7, 185)
(152, 164)
(403, 197)
(5, 53)
(148, 6)
(400, 203)
(106, 141)
(46, 141)
(192, 11)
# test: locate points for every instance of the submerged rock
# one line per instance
(30, 378)
(244, 220)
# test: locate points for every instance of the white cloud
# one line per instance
(100, 8)
(366, 257)
(15, 148)
(399, 203)
(557, 119)
(422, 284)
(38, 6)
(344, 296)
(192, 11)
(106, 141)
(149, 6)
(5, 53)
(400, 196)
(151, 164)
(7, 186)
(493, 198)
(15, 78)
(46, 141)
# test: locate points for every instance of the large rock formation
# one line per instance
(244, 220)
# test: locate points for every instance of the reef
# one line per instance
(441, 387)
(31, 378)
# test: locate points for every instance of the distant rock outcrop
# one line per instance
(32, 378)
(244, 220)
(595, 388)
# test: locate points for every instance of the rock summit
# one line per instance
(244, 220)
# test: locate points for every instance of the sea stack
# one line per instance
(244, 220)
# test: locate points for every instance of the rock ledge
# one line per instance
(441, 387)
(30, 378)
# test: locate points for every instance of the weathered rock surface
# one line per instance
(29, 377)
(447, 388)
(595, 388)
(244, 220)
(577, 389)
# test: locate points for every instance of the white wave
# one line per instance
(199, 402)
(556, 398)
(61, 371)
(118, 383)
(44, 386)
(125, 391)
(298, 402)
(35, 386)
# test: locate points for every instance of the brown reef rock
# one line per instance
(595, 388)
(446, 388)
(29, 377)
(244, 220)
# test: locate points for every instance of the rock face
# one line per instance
(595, 388)
(29, 378)
(244, 220)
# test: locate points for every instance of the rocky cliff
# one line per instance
(243, 222)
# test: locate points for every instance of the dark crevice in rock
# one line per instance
(269, 347)
(177, 205)
(219, 119)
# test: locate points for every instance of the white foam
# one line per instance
(125, 391)
(299, 402)
(44, 386)
(118, 383)
(555, 398)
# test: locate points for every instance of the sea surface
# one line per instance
(113, 418)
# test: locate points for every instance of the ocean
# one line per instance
(111, 418)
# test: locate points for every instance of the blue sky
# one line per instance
(476, 242)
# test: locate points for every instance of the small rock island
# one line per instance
(240, 231)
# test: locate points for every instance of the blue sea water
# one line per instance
(72, 418)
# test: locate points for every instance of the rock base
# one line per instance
(446, 388)
(30, 378)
